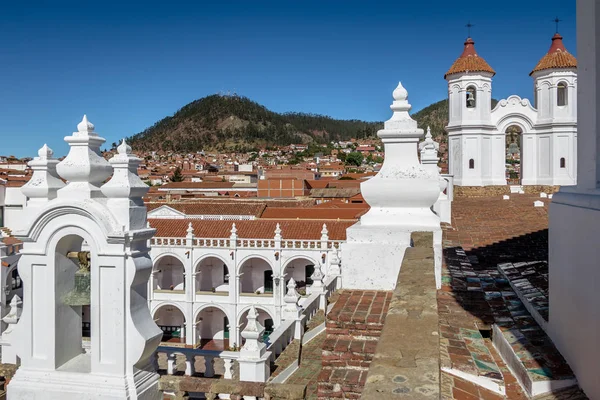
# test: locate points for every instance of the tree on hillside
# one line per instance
(354, 158)
(177, 176)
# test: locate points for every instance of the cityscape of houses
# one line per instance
(406, 265)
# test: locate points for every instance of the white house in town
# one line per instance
(548, 127)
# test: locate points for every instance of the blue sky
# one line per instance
(128, 64)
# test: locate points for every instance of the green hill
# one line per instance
(238, 123)
(436, 117)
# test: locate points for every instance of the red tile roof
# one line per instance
(11, 241)
(213, 208)
(469, 61)
(198, 185)
(256, 229)
(314, 213)
(557, 57)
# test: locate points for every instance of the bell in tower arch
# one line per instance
(80, 295)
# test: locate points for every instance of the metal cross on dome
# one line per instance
(469, 25)
(556, 21)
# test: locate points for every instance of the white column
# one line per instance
(574, 320)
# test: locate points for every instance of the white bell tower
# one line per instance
(555, 88)
(472, 138)
(85, 243)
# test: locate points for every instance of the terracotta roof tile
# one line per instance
(314, 213)
(344, 184)
(11, 241)
(557, 57)
(341, 204)
(334, 192)
(213, 208)
(469, 61)
(198, 185)
(256, 229)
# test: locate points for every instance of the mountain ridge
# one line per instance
(232, 122)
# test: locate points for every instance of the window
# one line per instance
(471, 97)
(561, 94)
(563, 162)
(471, 164)
(16, 280)
(225, 274)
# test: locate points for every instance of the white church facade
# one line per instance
(547, 128)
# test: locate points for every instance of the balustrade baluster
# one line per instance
(189, 366)
(170, 364)
(228, 364)
(210, 368)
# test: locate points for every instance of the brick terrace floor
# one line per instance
(465, 302)
(310, 366)
(481, 221)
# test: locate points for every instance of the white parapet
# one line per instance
(401, 197)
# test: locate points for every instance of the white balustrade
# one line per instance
(330, 284)
(311, 305)
(280, 338)
(226, 243)
(209, 356)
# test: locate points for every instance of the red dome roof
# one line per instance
(557, 57)
(469, 61)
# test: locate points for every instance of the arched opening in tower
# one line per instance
(513, 154)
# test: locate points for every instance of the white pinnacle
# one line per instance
(124, 148)
(45, 152)
(400, 93)
(85, 126)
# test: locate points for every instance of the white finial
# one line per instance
(190, 229)
(291, 284)
(253, 333)
(324, 231)
(124, 148)
(13, 315)
(85, 126)
(45, 152)
(233, 229)
(400, 94)
(277, 232)
(428, 147)
(317, 277)
(291, 296)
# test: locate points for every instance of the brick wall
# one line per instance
(281, 188)
(354, 327)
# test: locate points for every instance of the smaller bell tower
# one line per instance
(85, 244)
(471, 132)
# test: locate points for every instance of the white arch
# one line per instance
(168, 253)
(520, 120)
(241, 263)
(298, 257)
(471, 83)
(212, 305)
(203, 257)
(167, 303)
(91, 212)
(258, 307)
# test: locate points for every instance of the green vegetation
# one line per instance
(236, 123)
(354, 158)
(239, 124)
(436, 117)
(177, 176)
